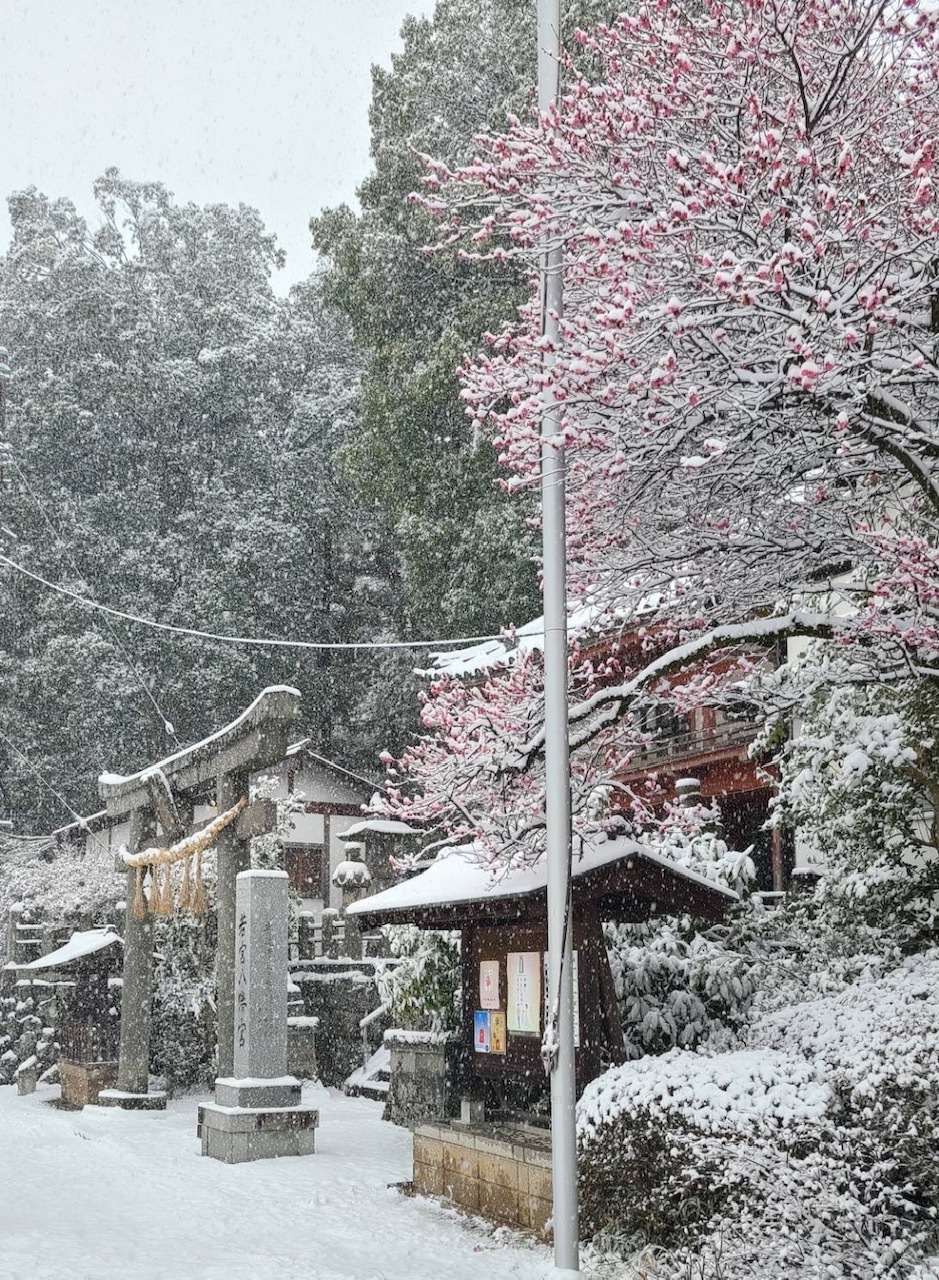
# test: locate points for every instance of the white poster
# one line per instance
(523, 971)
(489, 984)
(547, 988)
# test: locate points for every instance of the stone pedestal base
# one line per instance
(155, 1101)
(283, 1091)
(236, 1134)
(83, 1082)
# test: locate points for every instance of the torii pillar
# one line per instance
(133, 1068)
(233, 855)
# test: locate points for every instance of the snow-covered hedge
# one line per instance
(812, 1151)
(879, 1035)
(749, 1091)
(654, 1136)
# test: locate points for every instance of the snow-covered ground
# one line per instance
(105, 1193)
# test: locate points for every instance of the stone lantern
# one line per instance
(353, 877)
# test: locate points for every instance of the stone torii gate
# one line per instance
(165, 794)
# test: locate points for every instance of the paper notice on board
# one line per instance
(523, 971)
(481, 1036)
(497, 1032)
(489, 984)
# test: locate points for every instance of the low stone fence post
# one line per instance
(421, 1075)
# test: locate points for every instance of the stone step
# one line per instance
(377, 1090)
(373, 1079)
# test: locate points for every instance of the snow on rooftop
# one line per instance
(85, 943)
(461, 874)
(381, 827)
(597, 614)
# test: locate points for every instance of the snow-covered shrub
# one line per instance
(423, 989)
(183, 1030)
(813, 1151)
(859, 783)
(653, 1134)
(52, 878)
(877, 1043)
(675, 987)
(825, 1212)
(267, 851)
(689, 835)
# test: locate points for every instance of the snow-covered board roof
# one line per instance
(303, 748)
(622, 875)
(85, 943)
(380, 827)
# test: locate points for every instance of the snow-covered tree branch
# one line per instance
(747, 367)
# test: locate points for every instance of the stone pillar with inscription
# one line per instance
(257, 1112)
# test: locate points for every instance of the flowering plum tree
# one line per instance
(747, 365)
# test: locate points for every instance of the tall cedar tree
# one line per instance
(469, 555)
(174, 427)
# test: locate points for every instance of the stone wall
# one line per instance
(500, 1171)
(339, 993)
(301, 1047)
(423, 1065)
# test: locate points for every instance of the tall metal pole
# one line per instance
(557, 761)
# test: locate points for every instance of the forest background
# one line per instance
(189, 447)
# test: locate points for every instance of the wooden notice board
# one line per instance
(504, 1029)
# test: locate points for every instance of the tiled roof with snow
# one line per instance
(596, 616)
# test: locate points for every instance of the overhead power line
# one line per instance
(41, 777)
(255, 641)
(57, 534)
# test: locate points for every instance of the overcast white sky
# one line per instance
(264, 103)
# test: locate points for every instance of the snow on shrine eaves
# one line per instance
(461, 874)
(594, 615)
(85, 943)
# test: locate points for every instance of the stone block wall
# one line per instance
(339, 993)
(501, 1172)
(301, 1047)
(421, 1075)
